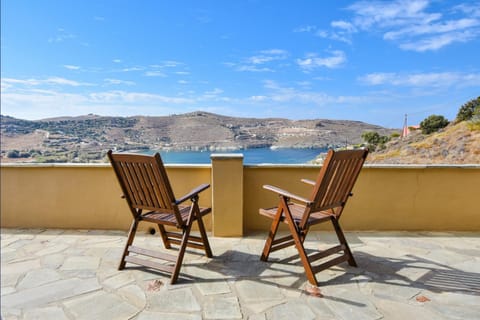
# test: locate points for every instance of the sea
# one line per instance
(250, 156)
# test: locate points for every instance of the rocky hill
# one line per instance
(87, 138)
(455, 144)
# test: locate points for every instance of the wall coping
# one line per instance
(89, 165)
(226, 156)
(237, 156)
(373, 166)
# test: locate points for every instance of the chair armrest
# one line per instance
(308, 181)
(193, 193)
(286, 194)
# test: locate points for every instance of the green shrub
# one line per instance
(374, 140)
(13, 154)
(17, 154)
(433, 123)
(468, 110)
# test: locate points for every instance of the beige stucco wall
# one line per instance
(79, 196)
(385, 198)
(227, 188)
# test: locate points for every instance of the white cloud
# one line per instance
(71, 67)
(435, 43)
(412, 24)
(369, 14)
(126, 97)
(44, 104)
(341, 31)
(282, 94)
(155, 73)
(472, 9)
(172, 63)
(119, 82)
(313, 61)
(162, 69)
(432, 29)
(259, 62)
(35, 99)
(268, 56)
(252, 68)
(130, 69)
(214, 94)
(63, 81)
(258, 98)
(116, 60)
(377, 78)
(322, 34)
(344, 25)
(433, 79)
(38, 82)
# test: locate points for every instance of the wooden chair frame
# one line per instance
(147, 190)
(328, 198)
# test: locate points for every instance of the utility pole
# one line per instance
(405, 130)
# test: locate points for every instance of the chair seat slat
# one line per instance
(153, 254)
(287, 238)
(326, 253)
(330, 263)
(286, 244)
(149, 263)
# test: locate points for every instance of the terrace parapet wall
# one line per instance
(386, 197)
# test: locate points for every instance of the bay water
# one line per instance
(250, 156)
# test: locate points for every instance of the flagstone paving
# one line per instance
(72, 274)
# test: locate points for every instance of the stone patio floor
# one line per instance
(72, 274)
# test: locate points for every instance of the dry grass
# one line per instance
(456, 144)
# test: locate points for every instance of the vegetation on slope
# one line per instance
(436, 142)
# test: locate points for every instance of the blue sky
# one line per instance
(371, 61)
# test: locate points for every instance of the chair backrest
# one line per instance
(336, 179)
(145, 183)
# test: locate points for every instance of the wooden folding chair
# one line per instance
(146, 188)
(326, 203)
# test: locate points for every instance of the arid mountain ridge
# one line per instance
(87, 138)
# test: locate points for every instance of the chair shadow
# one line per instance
(436, 277)
(287, 272)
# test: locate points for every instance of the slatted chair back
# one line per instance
(335, 181)
(145, 183)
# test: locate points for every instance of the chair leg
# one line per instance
(271, 235)
(203, 234)
(343, 241)
(183, 245)
(297, 237)
(131, 235)
(164, 236)
(181, 253)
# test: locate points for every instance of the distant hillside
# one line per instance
(87, 138)
(455, 144)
